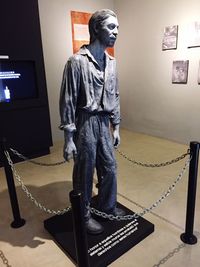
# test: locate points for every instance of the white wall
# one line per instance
(150, 103)
(55, 23)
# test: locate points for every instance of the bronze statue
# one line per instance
(89, 105)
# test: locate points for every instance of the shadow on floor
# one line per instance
(54, 196)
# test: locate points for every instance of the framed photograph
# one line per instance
(194, 34)
(170, 37)
(180, 71)
(198, 79)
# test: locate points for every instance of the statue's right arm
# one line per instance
(68, 104)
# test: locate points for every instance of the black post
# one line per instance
(79, 229)
(18, 221)
(188, 237)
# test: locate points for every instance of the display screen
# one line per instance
(17, 80)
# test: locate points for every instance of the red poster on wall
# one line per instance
(80, 32)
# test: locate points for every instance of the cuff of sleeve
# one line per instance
(115, 121)
(69, 127)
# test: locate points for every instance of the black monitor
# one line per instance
(18, 84)
(17, 80)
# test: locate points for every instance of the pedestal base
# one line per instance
(118, 237)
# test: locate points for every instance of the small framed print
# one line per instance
(180, 71)
(198, 79)
(170, 37)
(194, 34)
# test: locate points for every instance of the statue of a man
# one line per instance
(90, 116)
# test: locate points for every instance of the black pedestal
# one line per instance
(117, 238)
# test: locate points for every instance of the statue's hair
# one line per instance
(96, 21)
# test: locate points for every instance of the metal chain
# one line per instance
(29, 195)
(155, 214)
(5, 261)
(154, 165)
(15, 152)
(173, 252)
(149, 165)
(170, 255)
(145, 210)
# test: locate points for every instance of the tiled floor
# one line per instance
(32, 246)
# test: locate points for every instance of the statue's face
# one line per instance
(107, 33)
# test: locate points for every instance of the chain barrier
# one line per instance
(154, 165)
(15, 152)
(97, 212)
(149, 165)
(29, 195)
(92, 209)
(155, 214)
(170, 255)
(145, 210)
(5, 261)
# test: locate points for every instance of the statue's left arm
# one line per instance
(115, 118)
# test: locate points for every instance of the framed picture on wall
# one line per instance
(180, 71)
(170, 37)
(194, 34)
(199, 74)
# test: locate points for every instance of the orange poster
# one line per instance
(80, 32)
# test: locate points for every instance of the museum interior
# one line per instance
(158, 66)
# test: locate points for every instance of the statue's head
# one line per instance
(103, 25)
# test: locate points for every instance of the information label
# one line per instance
(114, 239)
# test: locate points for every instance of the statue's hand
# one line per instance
(116, 138)
(69, 150)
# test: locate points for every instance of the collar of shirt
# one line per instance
(85, 51)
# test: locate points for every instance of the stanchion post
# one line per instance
(188, 237)
(18, 221)
(80, 234)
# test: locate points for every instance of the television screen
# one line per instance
(17, 80)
